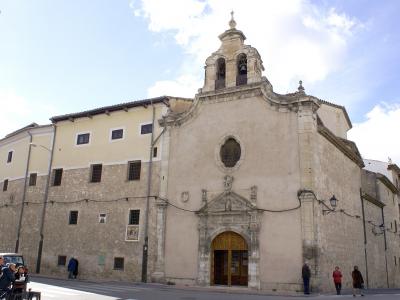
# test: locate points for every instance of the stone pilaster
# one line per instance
(254, 253)
(161, 204)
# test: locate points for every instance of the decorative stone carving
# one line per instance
(185, 197)
(229, 211)
(204, 197)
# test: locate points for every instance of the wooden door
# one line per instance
(229, 259)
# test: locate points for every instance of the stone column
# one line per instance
(161, 205)
(203, 277)
(254, 252)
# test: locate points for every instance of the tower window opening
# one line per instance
(221, 74)
(241, 77)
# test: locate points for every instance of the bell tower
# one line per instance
(234, 63)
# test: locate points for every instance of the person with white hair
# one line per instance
(7, 278)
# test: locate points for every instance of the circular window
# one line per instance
(230, 153)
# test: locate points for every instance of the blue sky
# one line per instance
(64, 56)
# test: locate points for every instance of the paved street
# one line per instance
(83, 290)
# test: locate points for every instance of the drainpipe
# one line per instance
(365, 237)
(146, 225)
(45, 201)
(24, 193)
(384, 238)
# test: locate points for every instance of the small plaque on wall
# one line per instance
(132, 233)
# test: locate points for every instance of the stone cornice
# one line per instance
(394, 167)
(325, 132)
(387, 182)
(372, 200)
(288, 102)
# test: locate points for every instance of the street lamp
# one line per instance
(45, 198)
(333, 202)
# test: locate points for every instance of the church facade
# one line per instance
(244, 186)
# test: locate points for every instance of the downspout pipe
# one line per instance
(146, 225)
(24, 193)
(45, 201)
(365, 237)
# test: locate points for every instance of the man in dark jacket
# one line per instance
(72, 266)
(7, 278)
(306, 274)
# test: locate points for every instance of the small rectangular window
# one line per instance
(62, 260)
(5, 185)
(134, 215)
(96, 173)
(32, 179)
(134, 170)
(73, 217)
(395, 226)
(155, 152)
(146, 129)
(118, 263)
(395, 261)
(83, 138)
(117, 134)
(57, 176)
(102, 218)
(9, 157)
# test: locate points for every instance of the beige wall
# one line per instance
(270, 161)
(340, 237)
(334, 119)
(101, 149)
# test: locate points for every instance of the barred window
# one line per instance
(117, 134)
(5, 185)
(83, 138)
(118, 263)
(146, 128)
(62, 260)
(155, 152)
(73, 217)
(230, 152)
(134, 215)
(9, 157)
(134, 168)
(57, 176)
(96, 173)
(32, 179)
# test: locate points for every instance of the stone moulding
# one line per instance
(229, 211)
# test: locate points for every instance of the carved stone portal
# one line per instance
(229, 212)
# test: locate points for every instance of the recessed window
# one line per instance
(395, 226)
(395, 261)
(102, 218)
(5, 185)
(96, 173)
(118, 263)
(155, 152)
(62, 260)
(134, 215)
(10, 156)
(57, 177)
(83, 138)
(32, 179)
(73, 217)
(146, 128)
(134, 168)
(117, 134)
(230, 152)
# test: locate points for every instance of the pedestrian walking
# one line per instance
(358, 281)
(72, 268)
(306, 274)
(337, 280)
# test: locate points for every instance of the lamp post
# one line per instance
(45, 198)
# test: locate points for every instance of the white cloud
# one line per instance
(16, 112)
(377, 137)
(296, 39)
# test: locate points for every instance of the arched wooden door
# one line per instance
(229, 259)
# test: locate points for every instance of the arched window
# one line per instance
(221, 72)
(230, 152)
(241, 77)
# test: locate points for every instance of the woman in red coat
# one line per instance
(337, 279)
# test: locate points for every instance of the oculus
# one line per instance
(230, 152)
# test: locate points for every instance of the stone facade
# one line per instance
(238, 158)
